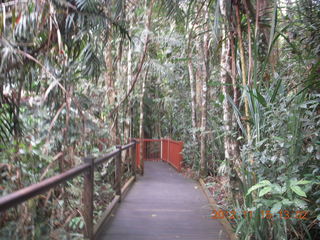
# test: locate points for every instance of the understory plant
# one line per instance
(281, 174)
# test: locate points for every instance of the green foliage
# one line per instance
(76, 223)
(285, 125)
(52, 109)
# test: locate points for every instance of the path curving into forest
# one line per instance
(163, 205)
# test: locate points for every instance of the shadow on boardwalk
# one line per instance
(163, 205)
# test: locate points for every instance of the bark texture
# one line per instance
(231, 145)
(143, 87)
(111, 93)
(204, 92)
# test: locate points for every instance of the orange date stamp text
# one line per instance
(264, 214)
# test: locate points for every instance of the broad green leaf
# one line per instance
(265, 191)
(303, 182)
(277, 188)
(259, 185)
(284, 189)
(300, 203)
(276, 207)
(293, 181)
(286, 202)
(298, 190)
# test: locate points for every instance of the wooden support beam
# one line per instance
(87, 198)
(118, 172)
(133, 158)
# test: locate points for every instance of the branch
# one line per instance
(134, 81)
(142, 60)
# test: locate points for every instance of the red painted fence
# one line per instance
(160, 149)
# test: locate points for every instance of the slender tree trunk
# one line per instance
(193, 103)
(195, 86)
(111, 93)
(141, 132)
(236, 92)
(148, 10)
(206, 75)
(249, 80)
(193, 96)
(141, 125)
(235, 146)
(198, 80)
(230, 143)
(226, 81)
(243, 68)
(128, 123)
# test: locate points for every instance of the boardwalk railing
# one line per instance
(87, 170)
(166, 150)
(171, 152)
(152, 149)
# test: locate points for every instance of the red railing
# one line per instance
(159, 149)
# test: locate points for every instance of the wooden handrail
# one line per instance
(26, 193)
(87, 168)
(129, 145)
(106, 157)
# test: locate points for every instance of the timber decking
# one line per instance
(163, 205)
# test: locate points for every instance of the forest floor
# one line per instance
(216, 186)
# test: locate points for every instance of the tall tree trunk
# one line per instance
(226, 81)
(141, 125)
(206, 75)
(243, 68)
(148, 10)
(193, 95)
(236, 98)
(230, 143)
(199, 78)
(111, 93)
(236, 92)
(250, 64)
(128, 112)
(195, 86)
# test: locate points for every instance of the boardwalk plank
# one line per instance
(163, 205)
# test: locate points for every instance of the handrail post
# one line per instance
(142, 155)
(118, 172)
(161, 146)
(169, 150)
(87, 198)
(133, 158)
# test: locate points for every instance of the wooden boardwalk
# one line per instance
(163, 205)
